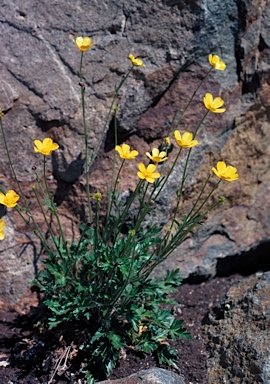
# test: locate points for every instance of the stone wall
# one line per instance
(40, 97)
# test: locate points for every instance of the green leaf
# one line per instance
(116, 340)
(167, 355)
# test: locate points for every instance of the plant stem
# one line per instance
(121, 219)
(11, 165)
(126, 282)
(192, 97)
(198, 198)
(206, 199)
(180, 192)
(97, 224)
(113, 194)
(94, 154)
(86, 139)
(36, 231)
(46, 221)
(169, 173)
(53, 207)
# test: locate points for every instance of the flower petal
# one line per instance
(221, 166)
(2, 197)
(141, 167)
(218, 102)
(151, 168)
(155, 152)
(177, 135)
(133, 153)
(208, 98)
(38, 145)
(125, 148)
(187, 136)
(2, 225)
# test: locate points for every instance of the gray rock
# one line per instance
(149, 376)
(237, 336)
(41, 97)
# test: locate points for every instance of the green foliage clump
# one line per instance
(104, 288)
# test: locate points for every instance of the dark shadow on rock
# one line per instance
(71, 171)
(247, 263)
(122, 135)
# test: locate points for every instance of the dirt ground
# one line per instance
(24, 360)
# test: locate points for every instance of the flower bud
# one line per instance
(167, 141)
(97, 196)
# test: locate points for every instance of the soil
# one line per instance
(24, 360)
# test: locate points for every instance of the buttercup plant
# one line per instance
(102, 282)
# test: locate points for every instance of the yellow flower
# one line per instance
(84, 43)
(142, 329)
(185, 140)
(125, 152)
(157, 157)
(216, 62)
(148, 173)
(9, 199)
(213, 104)
(224, 172)
(46, 146)
(136, 62)
(2, 227)
(1, 113)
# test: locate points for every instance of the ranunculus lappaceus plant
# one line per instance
(102, 282)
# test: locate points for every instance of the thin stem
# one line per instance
(144, 193)
(142, 211)
(213, 207)
(206, 199)
(200, 123)
(86, 139)
(113, 194)
(52, 206)
(169, 173)
(37, 232)
(121, 220)
(170, 248)
(114, 156)
(198, 198)
(95, 152)
(180, 191)
(97, 224)
(11, 165)
(46, 221)
(126, 282)
(81, 62)
(192, 97)
(87, 165)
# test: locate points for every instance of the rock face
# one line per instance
(237, 336)
(40, 97)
